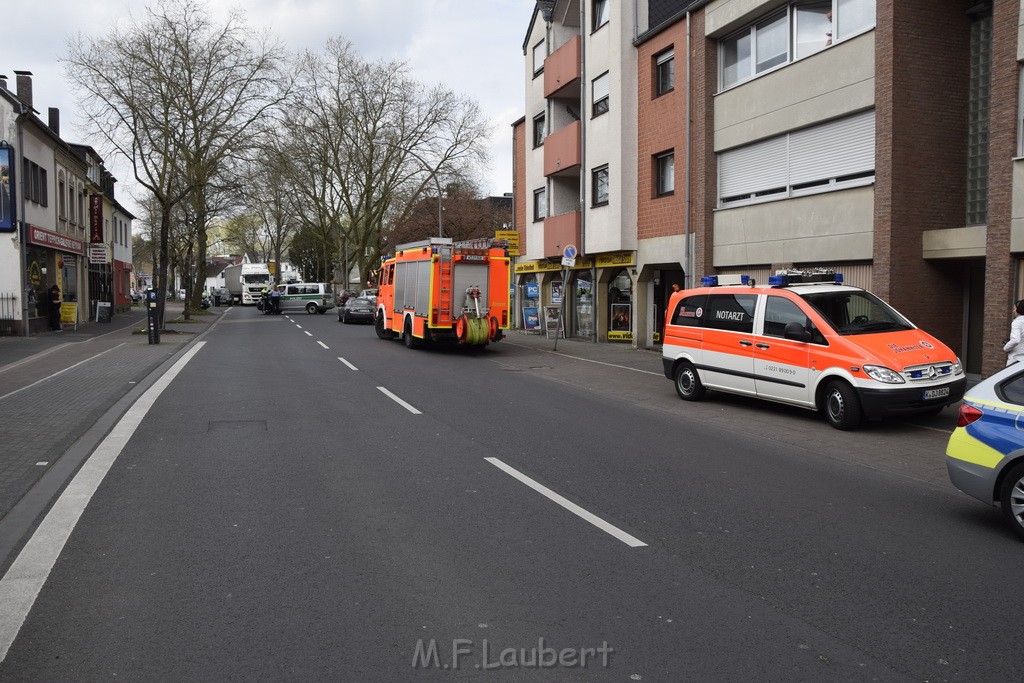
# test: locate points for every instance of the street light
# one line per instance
(433, 174)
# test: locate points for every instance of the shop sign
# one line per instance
(95, 218)
(98, 253)
(45, 238)
(510, 236)
(626, 258)
(550, 266)
(620, 336)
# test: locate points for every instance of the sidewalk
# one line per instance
(55, 387)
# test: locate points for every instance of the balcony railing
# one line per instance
(560, 231)
(562, 68)
(562, 151)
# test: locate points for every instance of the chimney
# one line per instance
(25, 87)
(54, 120)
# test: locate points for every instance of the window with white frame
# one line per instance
(539, 129)
(664, 72)
(599, 185)
(665, 173)
(538, 58)
(831, 156)
(799, 30)
(599, 90)
(601, 13)
(540, 204)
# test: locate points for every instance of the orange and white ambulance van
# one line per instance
(808, 340)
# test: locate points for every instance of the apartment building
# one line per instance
(880, 138)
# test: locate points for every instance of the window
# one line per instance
(808, 26)
(813, 30)
(664, 72)
(780, 311)
(73, 216)
(665, 173)
(855, 16)
(732, 312)
(600, 185)
(599, 89)
(538, 58)
(600, 13)
(35, 182)
(689, 312)
(62, 209)
(831, 156)
(539, 130)
(978, 119)
(540, 204)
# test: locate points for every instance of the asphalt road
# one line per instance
(305, 501)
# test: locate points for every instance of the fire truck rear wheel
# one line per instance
(410, 341)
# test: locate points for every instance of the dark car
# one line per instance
(357, 309)
(341, 296)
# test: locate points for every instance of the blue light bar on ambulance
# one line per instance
(723, 280)
(804, 277)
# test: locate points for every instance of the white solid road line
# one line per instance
(20, 587)
(324, 345)
(572, 507)
(352, 367)
(399, 401)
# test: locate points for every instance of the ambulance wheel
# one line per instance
(410, 341)
(842, 407)
(1011, 499)
(688, 384)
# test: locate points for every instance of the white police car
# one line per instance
(985, 453)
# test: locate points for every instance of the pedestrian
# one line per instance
(675, 287)
(55, 301)
(1014, 347)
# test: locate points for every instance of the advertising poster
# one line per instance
(553, 322)
(7, 219)
(531, 319)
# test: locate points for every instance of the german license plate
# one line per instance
(929, 394)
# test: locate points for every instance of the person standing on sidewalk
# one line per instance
(55, 301)
(1014, 346)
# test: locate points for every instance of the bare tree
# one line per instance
(372, 134)
(176, 95)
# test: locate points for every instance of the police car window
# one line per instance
(1013, 390)
(734, 312)
(689, 311)
(780, 311)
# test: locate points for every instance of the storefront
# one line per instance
(51, 259)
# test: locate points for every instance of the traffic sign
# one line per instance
(568, 262)
(569, 251)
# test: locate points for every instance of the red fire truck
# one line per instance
(436, 290)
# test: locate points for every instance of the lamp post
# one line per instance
(433, 174)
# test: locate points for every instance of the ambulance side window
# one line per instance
(780, 311)
(733, 312)
(689, 310)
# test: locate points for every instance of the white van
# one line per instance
(313, 297)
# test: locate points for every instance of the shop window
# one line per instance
(583, 305)
(620, 303)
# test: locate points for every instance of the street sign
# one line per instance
(570, 251)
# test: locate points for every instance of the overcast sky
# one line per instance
(473, 47)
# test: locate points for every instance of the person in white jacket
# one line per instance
(1014, 346)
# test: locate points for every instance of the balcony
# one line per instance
(562, 70)
(559, 231)
(562, 151)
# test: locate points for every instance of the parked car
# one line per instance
(136, 296)
(369, 293)
(358, 309)
(985, 453)
(181, 295)
(343, 295)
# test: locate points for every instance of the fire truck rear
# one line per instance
(436, 290)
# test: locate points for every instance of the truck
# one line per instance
(436, 290)
(245, 281)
